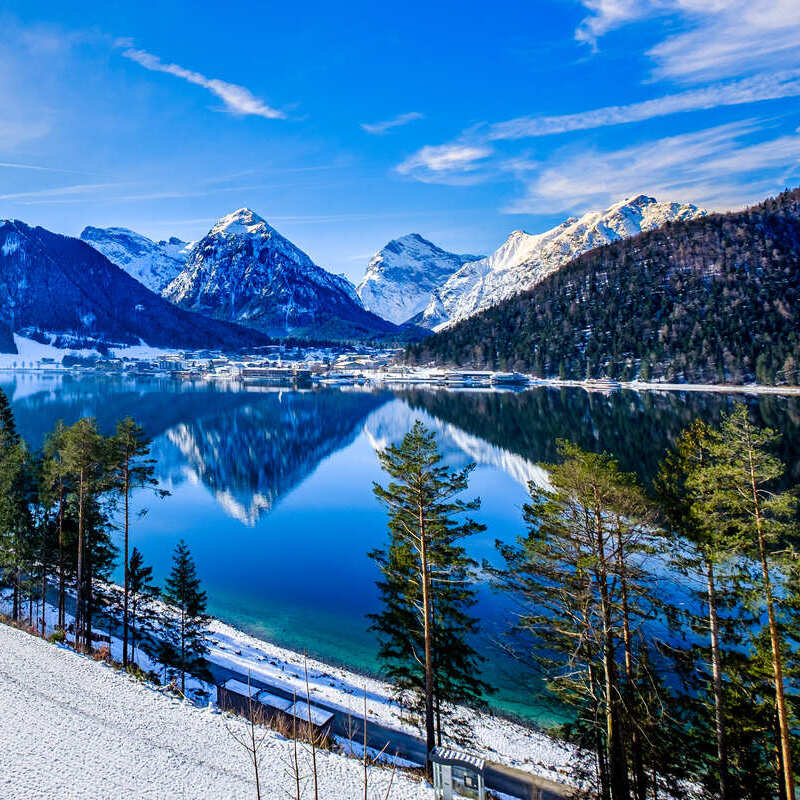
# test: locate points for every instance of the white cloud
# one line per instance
(719, 39)
(609, 14)
(16, 132)
(39, 168)
(395, 122)
(59, 191)
(237, 99)
(769, 86)
(715, 167)
(447, 163)
(748, 35)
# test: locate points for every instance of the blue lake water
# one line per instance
(272, 489)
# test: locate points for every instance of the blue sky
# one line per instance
(348, 125)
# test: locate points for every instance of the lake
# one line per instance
(272, 488)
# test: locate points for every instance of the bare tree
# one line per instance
(252, 739)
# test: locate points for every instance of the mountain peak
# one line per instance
(412, 237)
(525, 259)
(402, 275)
(640, 200)
(243, 270)
(154, 264)
(241, 221)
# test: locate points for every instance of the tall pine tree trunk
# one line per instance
(79, 571)
(639, 774)
(183, 652)
(774, 637)
(716, 669)
(89, 595)
(617, 760)
(600, 749)
(133, 628)
(15, 602)
(777, 671)
(126, 580)
(430, 734)
(61, 576)
(43, 599)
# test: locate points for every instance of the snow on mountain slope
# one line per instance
(243, 270)
(401, 277)
(75, 728)
(154, 264)
(60, 291)
(525, 259)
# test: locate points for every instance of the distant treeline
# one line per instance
(714, 299)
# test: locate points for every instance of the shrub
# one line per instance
(58, 636)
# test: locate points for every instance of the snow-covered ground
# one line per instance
(30, 354)
(494, 738)
(76, 728)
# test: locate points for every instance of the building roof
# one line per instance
(300, 709)
(457, 758)
(304, 713)
(232, 685)
(273, 701)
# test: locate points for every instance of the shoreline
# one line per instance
(719, 388)
(510, 742)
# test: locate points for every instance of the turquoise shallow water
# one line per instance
(272, 490)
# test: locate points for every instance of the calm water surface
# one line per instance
(272, 489)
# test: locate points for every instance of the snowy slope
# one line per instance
(525, 259)
(244, 271)
(154, 264)
(75, 728)
(401, 277)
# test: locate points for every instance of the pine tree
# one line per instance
(426, 588)
(15, 521)
(737, 490)
(684, 515)
(53, 495)
(141, 591)
(131, 469)
(186, 638)
(578, 576)
(86, 462)
(45, 538)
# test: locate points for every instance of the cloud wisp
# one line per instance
(448, 163)
(717, 167)
(719, 38)
(378, 128)
(236, 99)
(54, 194)
(770, 86)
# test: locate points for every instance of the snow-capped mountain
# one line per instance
(525, 259)
(243, 270)
(58, 290)
(154, 264)
(402, 276)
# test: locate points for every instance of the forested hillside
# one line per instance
(713, 299)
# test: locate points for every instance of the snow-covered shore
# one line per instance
(496, 739)
(76, 728)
